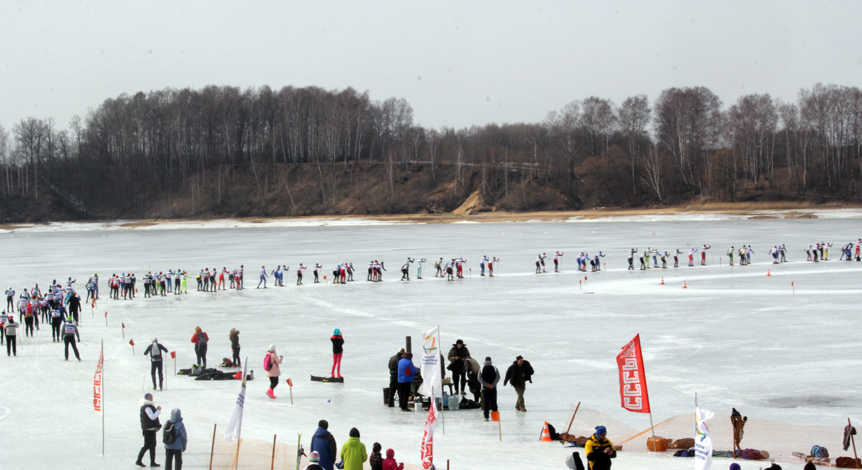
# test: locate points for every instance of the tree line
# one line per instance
(133, 153)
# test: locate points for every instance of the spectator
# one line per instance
(313, 459)
(353, 452)
(174, 450)
(149, 426)
(200, 339)
(458, 365)
(393, 376)
(234, 346)
(324, 444)
(519, 373)
(406, 374)
(489, 377)
(390, 463)
(599, 450)
(376, 459)
(272, 361)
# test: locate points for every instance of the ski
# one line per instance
(300, 452)
(315, 378)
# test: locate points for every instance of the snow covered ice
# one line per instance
(735, 337)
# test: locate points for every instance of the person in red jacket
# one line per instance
(389, 462)
(200, 339)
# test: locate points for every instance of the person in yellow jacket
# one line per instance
(599, 450)
(353, 453)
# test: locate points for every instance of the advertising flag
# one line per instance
(703, 440)
(427, 453)
(234, 427)
(97, 383)
(633, 387)
(432, 381)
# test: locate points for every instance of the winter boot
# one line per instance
(270, 393)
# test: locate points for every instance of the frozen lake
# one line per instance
(735, 337)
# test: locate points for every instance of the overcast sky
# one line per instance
(458, 63)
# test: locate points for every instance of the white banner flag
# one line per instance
(703, 440)
(427, 453)
(430, 364)
(234, 427)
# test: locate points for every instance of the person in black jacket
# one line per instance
(458, 365)
(393, 376)
(489, 377)
(234, 346)
(337, 352)
(155, 351)
(519, 373)
(149, 425)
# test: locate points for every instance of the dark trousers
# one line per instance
(11, 345)
(55, 328)
(273, 382)
(156, 366)
(489, 401)
(459, 377)
(69, 339)
(149, 445)
(202, 355)
(173, 459)
(393, 387)
(236, 357)
(403, 394)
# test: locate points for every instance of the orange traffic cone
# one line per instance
(683, 285)
(546, 433)
(767, 273)
(662, 281)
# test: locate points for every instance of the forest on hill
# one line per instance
(227, 152)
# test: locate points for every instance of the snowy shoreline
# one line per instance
(348, 221)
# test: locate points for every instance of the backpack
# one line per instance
(168, 434)
(819, 452)
(267, 363)
(202, 340)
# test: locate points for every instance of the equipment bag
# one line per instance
(819, 452)
(168, 434)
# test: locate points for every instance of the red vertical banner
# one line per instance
(97, 384)
(633, 386)
(426, 454)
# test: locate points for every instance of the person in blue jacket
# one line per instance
(324, 444)
(174, 451)
(406, 374)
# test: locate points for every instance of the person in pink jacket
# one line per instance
(270, 363)
(389, 462)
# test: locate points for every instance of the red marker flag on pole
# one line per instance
(173, 354)
(124, 324)
(633, 386)
(132, 342)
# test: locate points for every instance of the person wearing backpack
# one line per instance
(155, 351)
(175, 438)
(270, 364)
(149, 426)
(200, 339)
(234, 346)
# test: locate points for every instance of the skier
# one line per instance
(557, 257)
(155, 351)
(482, 265)
(538, 264)
(676, 258)
(316, 275)
(730, 254)
(73, 305)
(337, 351)
(494, 261)
(70, 331)
(405, 269)
(270, 364)
(439, 267)
(299, 271)
(632, 258)
(200, 339)
(56, 323)
(149, 426)
(748, 253)
(262, 277)
(691, 257)
(774, 253)
(449, 273)
(419, 266)
(3, 320)
(10, 330)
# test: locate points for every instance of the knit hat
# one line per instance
(735, 466)
(337, 332)
(354, 432)
(314, 457)
(488, 359)
(271, 348)
(148, 396)
(601, 431)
